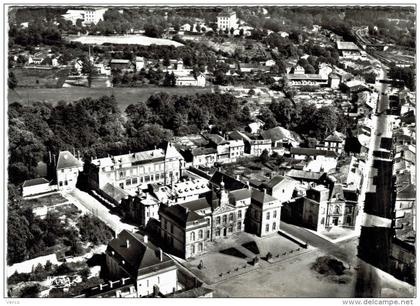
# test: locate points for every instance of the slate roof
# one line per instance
(230, 183)
(260, 197)
(34, 182)
(67, 160)
(241, 194)
(185, 212)
(139, 256)
(203, 151)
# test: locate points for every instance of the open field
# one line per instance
(124, 96)
(40, 78)
(124, 39)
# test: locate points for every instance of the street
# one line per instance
(86, 202)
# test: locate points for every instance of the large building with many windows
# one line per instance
(134, 171)
(187, 228)
(227, 20)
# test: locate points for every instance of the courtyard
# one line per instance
(241, 254)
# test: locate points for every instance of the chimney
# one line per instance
(238, 177)
(264, 190)
(127, 243)
(146, 239)
(160, 255)
(100, 287)
(111, 283)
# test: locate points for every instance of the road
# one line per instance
(88, 203)
(318, 242)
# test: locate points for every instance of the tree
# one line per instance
(264, 157)
(12, 81)
(266, 115)
(231, 31)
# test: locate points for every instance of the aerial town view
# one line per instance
(210, 151)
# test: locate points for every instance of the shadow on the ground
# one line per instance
(233, 252)
(252, 246)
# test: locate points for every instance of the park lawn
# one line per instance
(124, 96)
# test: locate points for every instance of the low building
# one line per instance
(123, 65)
(67, 169)
(348, 49)
(203, 156)
(334, 80)
(334, 142)
(36, 186)
(190, 80)
(281, 137)
(139, 63)
(133, 256)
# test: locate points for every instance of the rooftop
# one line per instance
(346, 45)
(312, 152)
(67, 160)
(34, 182)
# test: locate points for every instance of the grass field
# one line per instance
(124, 96)
(124, 39)
(39, 77)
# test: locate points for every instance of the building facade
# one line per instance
(227, 20)
(67, 169)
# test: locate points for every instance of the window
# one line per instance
(157, 177)
(200, 234)
(231, 217)
(66, 183)
(217, 232)
(134, 181)
(274, 226)
(172, 228)
(230, 229)
(239, 226)
(60, 183)
(192, 236)
(275, 214)
(192, 249)
(239, 214)
(268, 215)
(200, 247)
(208, 221)
(218, 220)
(128, 182)
(267, 227)
(208, 234)
(147, 179)
(224, 218)
(165, 224)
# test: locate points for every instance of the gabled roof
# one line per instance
(230, 183)
(34, 182)
(67, 160)
(138, 256)
(279, 133)
(276, 180)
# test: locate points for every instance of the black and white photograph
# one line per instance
(197, 150)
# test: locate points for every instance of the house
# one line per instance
(188, 228)
(334, 80)
(281, 137)
(133, 256)
(189, 80)
(227, 20)
(228, 151)
(35, 60)
(334, 142)
(324, 209)
(67, 169)
(135, 170)
(253, 144)
(36, 186)
(203, 156)
(141, 208)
